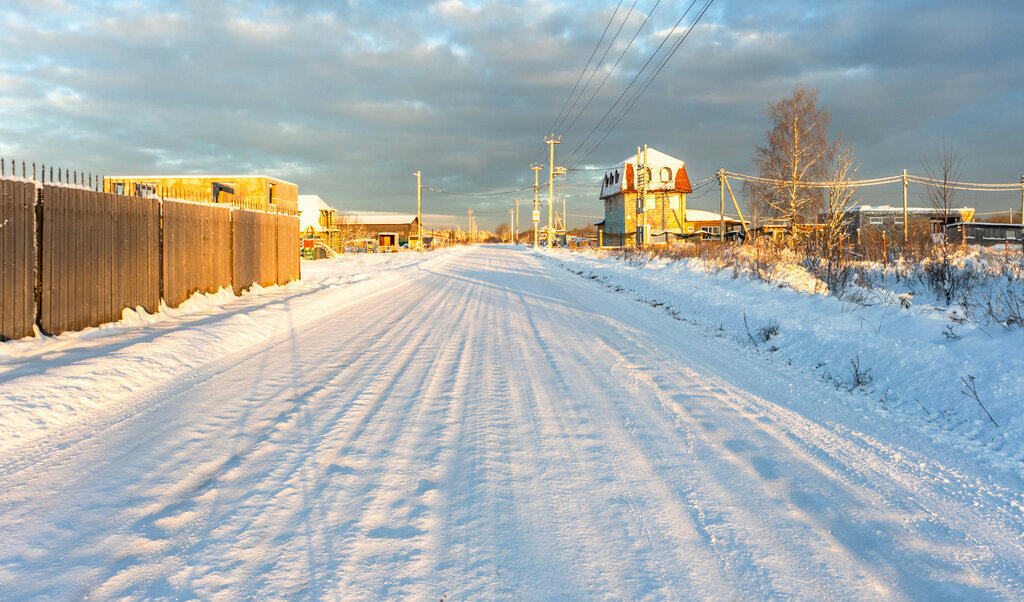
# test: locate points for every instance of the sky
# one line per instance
(349, 99)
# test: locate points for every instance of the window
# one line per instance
(1010, 235)
(117, 188)
(673, 202)
(666, 174)
(145, 190)
(875, 221)
(709, 229)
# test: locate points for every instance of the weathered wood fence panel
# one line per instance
(197, 250)
(17, 258)
(100, 255)
(287, 249)
(94, 254)
(255, 249)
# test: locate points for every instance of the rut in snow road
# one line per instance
(495, 427)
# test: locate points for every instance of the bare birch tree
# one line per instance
(796, 152)
(944, 174)
(350, 229)
(841, 172)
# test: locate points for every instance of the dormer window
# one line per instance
(666, 174)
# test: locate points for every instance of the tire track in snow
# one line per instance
(498, 429)
(856, 539)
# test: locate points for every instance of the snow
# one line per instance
(101, 366)
(915, 368)
(310, 206)
(381, 219)
(701, 215)
(199, 177)
(489, 422)
(662, 167)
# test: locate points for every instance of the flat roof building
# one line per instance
(258, 192)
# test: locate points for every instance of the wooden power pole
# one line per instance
(721, 205)
(516, 220)
(551, 186)
(419, 216)
(906, 232)
(536, 200)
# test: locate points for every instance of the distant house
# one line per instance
(986, 234)
(404, 226)
(253, 191)
(318, 221)
(865, 220)
(664, 209)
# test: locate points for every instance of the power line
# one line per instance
(474, 194)
(612, 70)
(630, 84)
(554, 124)
(972, 186)
(582, 73)
(654, 75)
(585, 68)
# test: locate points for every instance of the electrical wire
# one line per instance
(587, 66)
(612, 70)
(971, 186)
(601, 62)
(626, 89)
(478, 194)
(539, 154)
(652, 76)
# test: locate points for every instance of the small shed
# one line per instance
(986, 234)
(404, 226)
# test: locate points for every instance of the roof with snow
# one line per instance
(226, 177)
(310, 206)
(381, 219)
(700, 215)
(666, 174)
(891, 209)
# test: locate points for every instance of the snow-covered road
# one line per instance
(492, 426)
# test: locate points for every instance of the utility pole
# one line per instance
(565, 222)
(536, 201)
(906, 235)
(517, 222)
(511, 222)
(641, 198)
(1022, 201)
(551, 185)
(721, 204)
(419, 216)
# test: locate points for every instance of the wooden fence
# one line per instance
(100, 254)
(17, 258)
(71, 258)
(197, 250)
(287, 262)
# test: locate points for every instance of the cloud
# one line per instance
(349, 99)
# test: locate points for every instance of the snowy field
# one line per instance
(488, 422)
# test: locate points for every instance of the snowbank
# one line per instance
(105, 369)
(910, 366)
